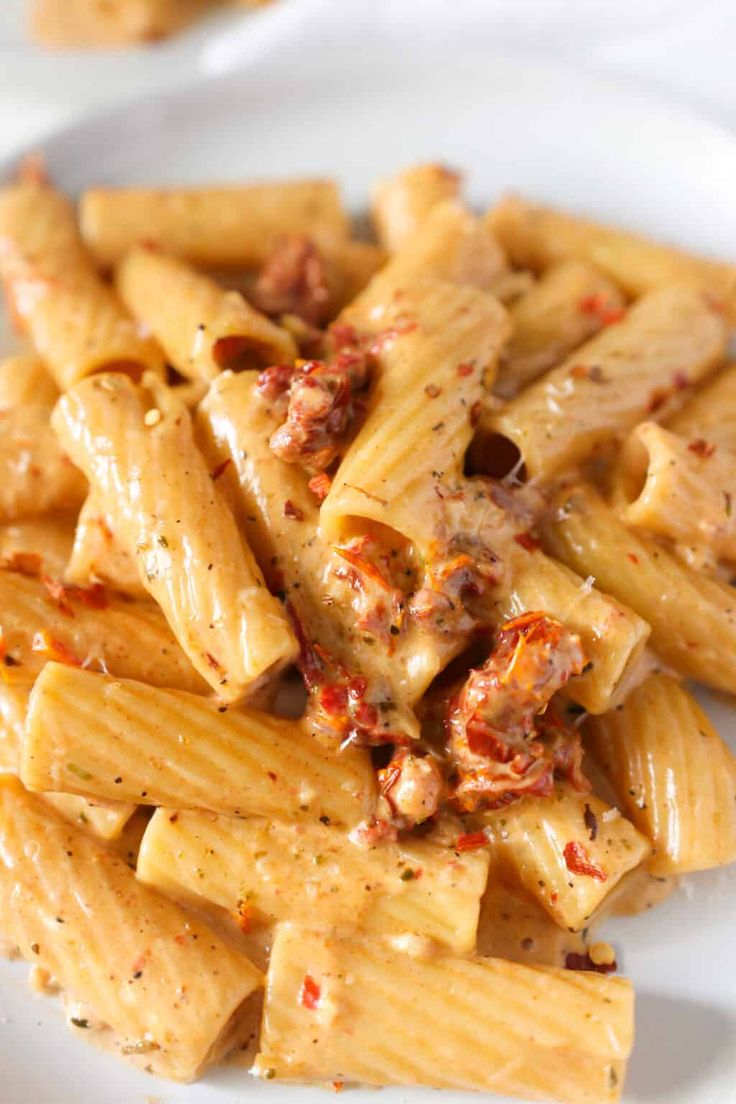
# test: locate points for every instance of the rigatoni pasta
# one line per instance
(266, 871)
(201, 328)
(571, 302)
(202, 755)
(101, 930)
(670, 340)
(693, 617)
(359, 1010)
(536, 236)
(673, 775)
(354, 625)
(401, 204)
(55, 295)
(171, 517)
(235, 226)
(679, 489)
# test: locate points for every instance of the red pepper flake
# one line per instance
(575, 961)
(46, 645)
(553, 897)
(58, 594)
(310, 993)
(633, 557)
(598, 305)
(471, 841)
(527, 541)
(338, 1086)
(320, 485)
(181, 939)
(578, 862)
(475, 413)
(95, 596)
(292, 511)
(680, 381)
(579, 371)
(212, 662)
(215, 475)
(465, 369)
(701, 448)
(432, 390)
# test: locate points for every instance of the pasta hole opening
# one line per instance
(632, 471)
(494, 455)
(289, 698)
(239, 353)
(129, 368)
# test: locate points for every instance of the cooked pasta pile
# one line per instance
(347, 590)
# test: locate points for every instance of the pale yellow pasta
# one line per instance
(349, 267)
(46, 542)
(130, 639)
(385, 1017)
(85, 732)
(24, 379)
(711, 413)
(64, 23)
(201, 328)
(548, 842)
(419, 420)
(36, 476)
(612, 635)
(411, 446)
(667, 341)
(674, 776)
(73, 319)
(536, 237)
(105, 820)
(269, 871)
(571, 302)
(153, 483)
(77, 910)
(235, 226)
(693, 617)
(13, 705)
(514, 926)
(451, 244)
(294, 550)
(680, 489)
(97, 556)
(402, 203)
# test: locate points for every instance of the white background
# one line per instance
(683, 49)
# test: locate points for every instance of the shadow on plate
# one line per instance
(679, 1042)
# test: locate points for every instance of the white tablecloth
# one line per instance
(686, 51)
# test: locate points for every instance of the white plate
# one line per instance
(352, 103)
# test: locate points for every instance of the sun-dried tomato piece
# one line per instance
(294, 281)
(494, 741)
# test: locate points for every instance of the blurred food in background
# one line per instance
(91, 23)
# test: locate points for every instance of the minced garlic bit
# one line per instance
(602, 954)
(152, 417)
